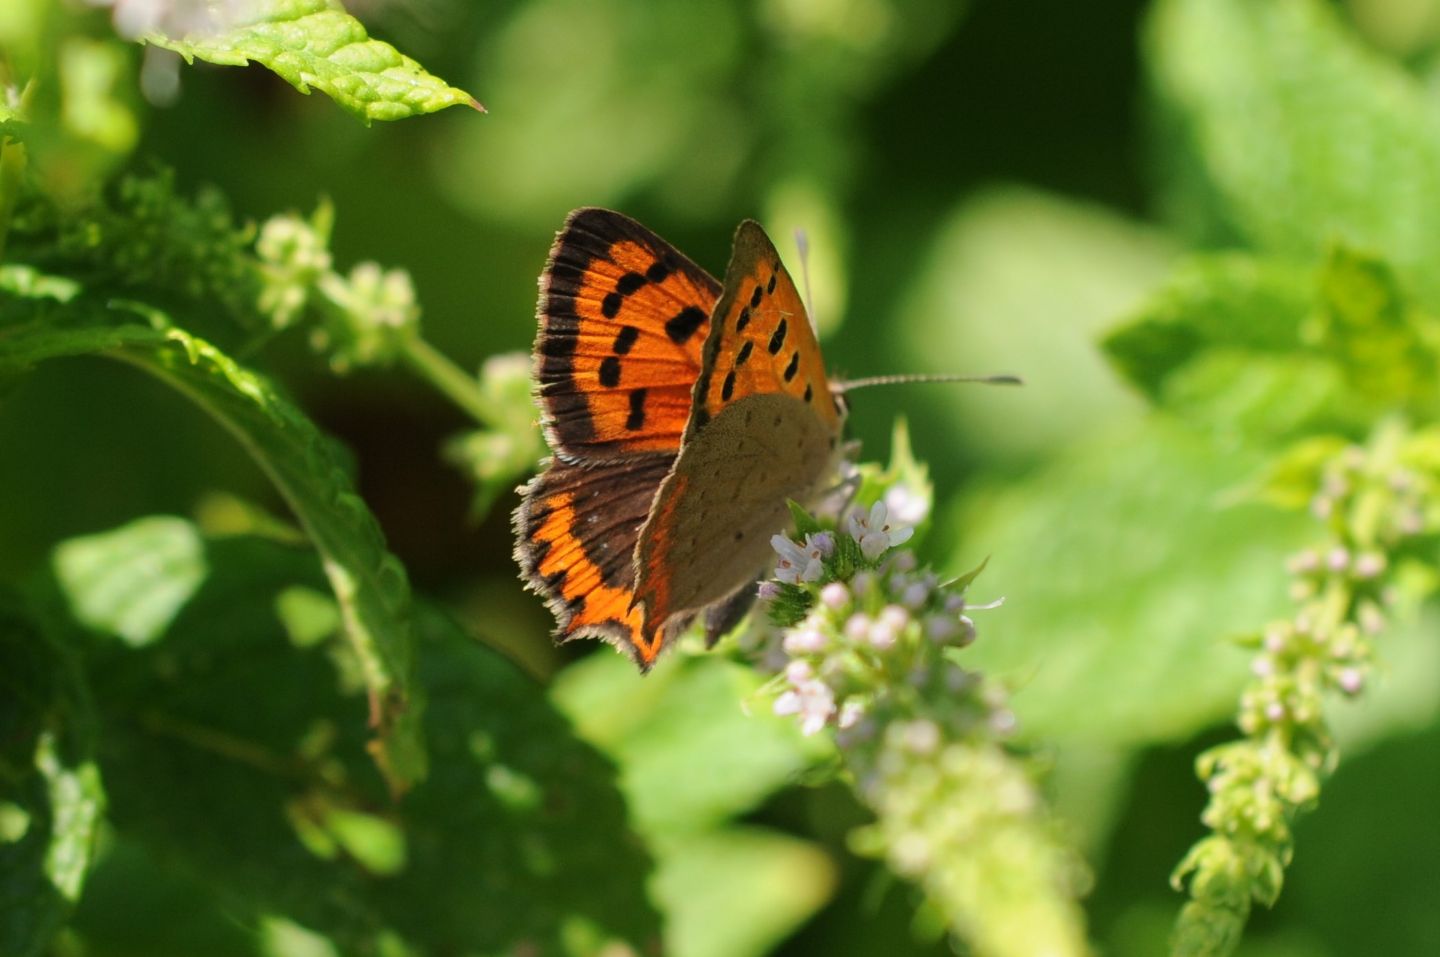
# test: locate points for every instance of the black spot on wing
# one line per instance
(778, 339)
(744, 319)
(625, 339)
(727, 389)
(794, 365)
(683, 324)
(745, 351)
(755, 297)
(636, 419)
(610, 372)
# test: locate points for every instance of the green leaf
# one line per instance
(1387, 348)
(131, 582)
(805, 523)
(1300, 133)
(1235, 302)
(50, 794)
(315, 43)
(692, 752)
(141, 239)
(738, 891)
(1124, 576)
(516, 839)
(1292, 478)
(369, 583)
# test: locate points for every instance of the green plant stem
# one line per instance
(12, 170)
(449, 379)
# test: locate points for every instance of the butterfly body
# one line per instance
(683, 415)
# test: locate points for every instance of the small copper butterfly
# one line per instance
(683, 414)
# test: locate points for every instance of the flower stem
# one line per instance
(449, 378)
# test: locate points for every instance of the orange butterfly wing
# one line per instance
(763, 429)
(623, 320)
(761, 341)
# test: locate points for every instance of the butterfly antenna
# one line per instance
(866, 383)
(802, 243)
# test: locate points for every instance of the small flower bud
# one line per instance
(922, 736)
(915, 595)
(1350, 680)
(835, 596)
(797, 672)
(805, 640)
(767, 591)
(1369, 565)
(857, 627)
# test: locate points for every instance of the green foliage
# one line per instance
(315, 43)
(1303, 136)
(369, 583)
(228, 727)
(268, 804)
(51, 798)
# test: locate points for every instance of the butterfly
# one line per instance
(683, 415)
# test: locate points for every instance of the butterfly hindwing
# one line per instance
(761, 340)
(710, 527)
(575, 532)
(623, 321)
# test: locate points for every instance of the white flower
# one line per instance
(797, 564)
(906, 505)
(874, 532)
(850, 714)
(805, 640)
(812, 700)
(767, 591)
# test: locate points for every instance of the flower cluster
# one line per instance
(869, 649)
(1374, 505)
(887, 625)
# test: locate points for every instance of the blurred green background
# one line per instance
(987, 187)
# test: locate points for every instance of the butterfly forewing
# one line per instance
(761, 341)
(623, 320)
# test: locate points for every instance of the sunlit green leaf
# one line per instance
(1302, 134)
(315, 43)
(131, 582)
(736, 892)
(1124, 575)
(278, 807)
(691, 753)
(1387, 348)
(1230, 302)
(50, 792)
(369, 583)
